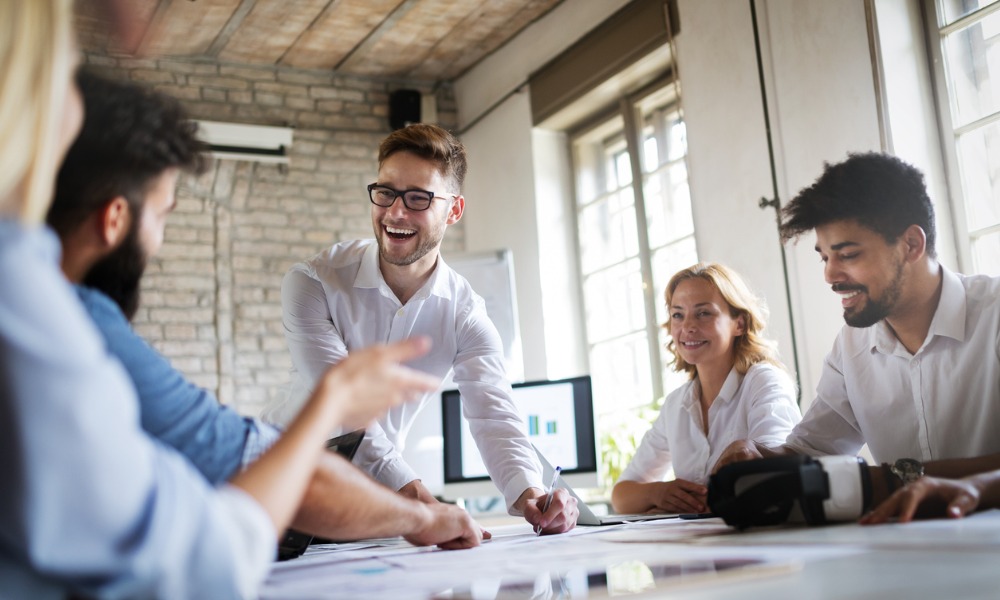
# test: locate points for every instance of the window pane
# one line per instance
(607, 231)
(668, 204)
(613, 302)
(972, 56)
(620, 373)
(956, 9)
(979, 162)
(623, 169)
(986, 254)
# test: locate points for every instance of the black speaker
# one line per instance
(404, 108)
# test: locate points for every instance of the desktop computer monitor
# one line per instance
(559, 419)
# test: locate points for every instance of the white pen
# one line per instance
(548, 499)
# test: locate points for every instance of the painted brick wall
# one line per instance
(211, 299)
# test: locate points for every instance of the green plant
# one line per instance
(621, 433)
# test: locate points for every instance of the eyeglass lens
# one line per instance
(413, 199)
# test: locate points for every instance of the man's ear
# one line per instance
(114, 221)
(456, 210)
(914, 242)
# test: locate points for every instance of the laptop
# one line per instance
(587, 515)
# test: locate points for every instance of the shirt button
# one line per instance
(399, 313)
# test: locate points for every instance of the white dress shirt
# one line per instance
(338, 301)
(942, 402)
(89, 503)
(759, 405)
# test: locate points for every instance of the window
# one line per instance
(969, 35)
(634, 226)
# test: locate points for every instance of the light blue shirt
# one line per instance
(88, 502)
(216, 439)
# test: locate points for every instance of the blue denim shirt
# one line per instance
(216, 439)
(89, 503)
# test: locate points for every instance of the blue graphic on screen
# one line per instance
(549, 420)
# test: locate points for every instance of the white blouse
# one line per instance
(759, 406)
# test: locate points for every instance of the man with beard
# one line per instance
(114, 192)
(363, 292)
(915, 373)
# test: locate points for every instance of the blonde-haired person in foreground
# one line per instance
(738, 389)
(89, 504)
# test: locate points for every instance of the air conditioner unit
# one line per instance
(236, 141)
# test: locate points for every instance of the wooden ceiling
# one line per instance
(434, 40)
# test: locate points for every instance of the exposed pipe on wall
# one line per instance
(775, 201)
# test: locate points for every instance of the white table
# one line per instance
(929, 559)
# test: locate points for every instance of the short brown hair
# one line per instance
(432, 143)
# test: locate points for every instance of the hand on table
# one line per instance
(560, 516)
(933, 496)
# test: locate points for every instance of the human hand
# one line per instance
(371, 381)
(738, 451)
(559, 517)
(449, 528)
(680, 496)
(933, 496)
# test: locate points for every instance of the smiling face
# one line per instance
(406, 237)
(702, 328)
(865, 270)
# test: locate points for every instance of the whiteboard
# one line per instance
(491, 275)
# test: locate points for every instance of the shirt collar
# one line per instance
(370, 276)
(948, 319)
(726, 394)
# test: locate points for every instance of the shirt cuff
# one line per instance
(254, 540)
(260, 437)
(395, 473)
(516, 486)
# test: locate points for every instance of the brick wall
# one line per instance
(211, 299)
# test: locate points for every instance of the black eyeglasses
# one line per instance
(384, 196)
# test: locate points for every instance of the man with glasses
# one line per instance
(363, 292)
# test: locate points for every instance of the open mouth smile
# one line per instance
(399, 233)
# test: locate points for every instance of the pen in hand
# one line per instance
(548, 498)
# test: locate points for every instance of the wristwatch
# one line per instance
(907, 469)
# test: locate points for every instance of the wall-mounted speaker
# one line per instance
(404, 108)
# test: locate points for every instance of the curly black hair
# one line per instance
(130, 136)
(878, 191)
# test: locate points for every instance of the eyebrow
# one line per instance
(839, 246)
(699, 305)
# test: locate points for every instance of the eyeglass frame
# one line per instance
(402, 194)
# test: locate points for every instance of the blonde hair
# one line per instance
(36, 64)
(751, 347)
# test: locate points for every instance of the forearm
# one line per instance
(343, 503)
(629, 497)
(956, 468)
(278, 479)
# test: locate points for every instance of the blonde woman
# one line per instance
(738, 389)
(89, 504)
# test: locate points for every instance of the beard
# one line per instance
(875, 309)
(119, 274)
(424, 246)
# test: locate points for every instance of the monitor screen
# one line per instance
(558, 417)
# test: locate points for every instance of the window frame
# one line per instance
(933, 15)
(628, 108)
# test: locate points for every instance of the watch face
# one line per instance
(908, 469)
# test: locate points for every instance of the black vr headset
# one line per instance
(771, 491)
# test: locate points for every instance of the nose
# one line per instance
(831, 271)
(397, 208)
